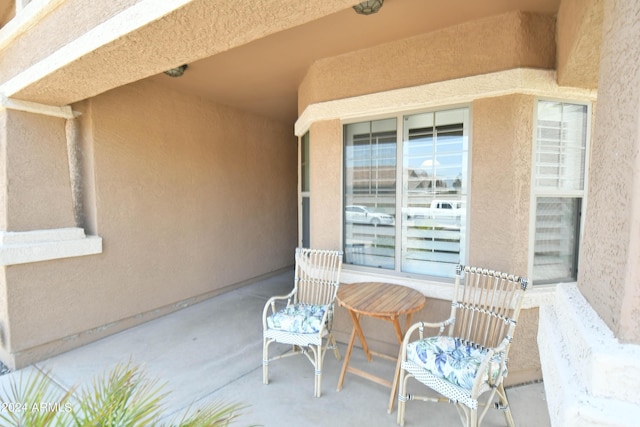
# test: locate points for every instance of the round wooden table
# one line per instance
(383, 301)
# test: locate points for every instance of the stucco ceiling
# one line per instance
(262, 77)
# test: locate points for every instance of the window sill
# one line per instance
(534, 297)
(43, 245)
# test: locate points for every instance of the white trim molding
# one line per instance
(457, 91)
(25, 18)
(63, 112)
(22, 247)
(590, 378)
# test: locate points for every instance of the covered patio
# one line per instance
(129, 195)
(211, 351)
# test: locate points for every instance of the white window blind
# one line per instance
(405, 203)
(559, 183)
(370, 193)
(434, 159)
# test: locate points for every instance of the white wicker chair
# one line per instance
(469, 362)
(303, 318)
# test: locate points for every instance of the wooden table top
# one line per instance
(380, 299)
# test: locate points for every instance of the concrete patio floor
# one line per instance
(212, 351)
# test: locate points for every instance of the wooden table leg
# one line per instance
(347, 356)
(356, 324)
(396, 327)
(396, 373)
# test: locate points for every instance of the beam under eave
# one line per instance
(63, 112)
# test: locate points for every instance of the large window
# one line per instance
(405, 203)
(559, 186)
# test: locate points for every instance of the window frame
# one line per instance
(535, 193)
(399, 116)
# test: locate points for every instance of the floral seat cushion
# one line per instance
(298, 318)
(452, 360)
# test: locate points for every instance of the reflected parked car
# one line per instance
(365, 215)
(440, 213)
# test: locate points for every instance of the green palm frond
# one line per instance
(124, 397)
(217, 414)
(33, 400)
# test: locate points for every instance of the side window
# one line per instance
(559, 168)
(305, 196)
(370, 193)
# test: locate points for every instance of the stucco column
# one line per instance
(610, 278)
(325, 146)
(589, 338)
(501, 184)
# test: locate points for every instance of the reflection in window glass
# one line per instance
(304, 163)
(556, 239)
(370, 193)
(411, 220)
(435, 149)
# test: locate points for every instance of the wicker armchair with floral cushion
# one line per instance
(304, 317)
(467, 365)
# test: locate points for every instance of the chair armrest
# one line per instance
(270, 305)
(420, 327)
(503, 348)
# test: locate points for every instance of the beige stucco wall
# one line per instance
(501, 144)
(325, 180)
(578, 39)
(38, 190)
(4, 179)
(610, 279)
(498, 43)
(190, 198)
(500, 208)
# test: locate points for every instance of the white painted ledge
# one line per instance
(590, 378)
(43, 245)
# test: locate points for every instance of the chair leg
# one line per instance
(504, 405)
(331, 343)
(265, 361)
(318, 374)
(472, 418)
(402, 399)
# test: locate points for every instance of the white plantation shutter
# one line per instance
(370, 181)
(561, 146)
(559, 167)
(434, 156)
(391, 188)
